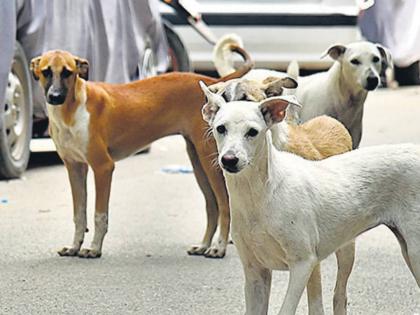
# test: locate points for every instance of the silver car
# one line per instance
(273, 31)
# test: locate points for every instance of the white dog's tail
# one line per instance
(223, 55)
(293, 70)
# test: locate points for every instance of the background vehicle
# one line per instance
(274, 31)
(123, 41)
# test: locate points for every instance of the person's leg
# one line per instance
(408, 75)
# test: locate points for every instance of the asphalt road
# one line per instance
(154, 216)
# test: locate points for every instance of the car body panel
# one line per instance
(274, 31)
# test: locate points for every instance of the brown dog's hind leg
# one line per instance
(77, 175)
(206, 150)
(211, 204)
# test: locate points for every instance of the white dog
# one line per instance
(340, 92)
(291, 213)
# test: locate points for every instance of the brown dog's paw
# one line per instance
(89, 253)
(68, 251)
(197, 250)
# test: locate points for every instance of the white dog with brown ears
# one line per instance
(289, 213)
(316, 139)
(339, 92)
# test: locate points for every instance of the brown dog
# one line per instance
(96, 124)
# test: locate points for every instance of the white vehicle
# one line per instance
(274, 32)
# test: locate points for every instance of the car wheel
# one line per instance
(178, 55)
(16, 118)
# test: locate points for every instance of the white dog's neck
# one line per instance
(347, 91)
(280, 135)
(256, 176)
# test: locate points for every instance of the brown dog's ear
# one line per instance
(82, 68)
(335, 51)
(34, 67)
(274, 86)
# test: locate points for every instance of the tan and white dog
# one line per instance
(339, 92)
(289, 213)
(96, 124)
(316, 139)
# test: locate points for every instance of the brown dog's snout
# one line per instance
(56, 96)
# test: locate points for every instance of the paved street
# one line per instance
(154, 216)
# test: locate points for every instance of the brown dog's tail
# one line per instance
(243, 69)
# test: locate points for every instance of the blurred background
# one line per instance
(130, 40)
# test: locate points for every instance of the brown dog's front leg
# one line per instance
(103, 177)
(77, 175)
(211, 204)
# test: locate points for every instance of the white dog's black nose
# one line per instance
(229, 162)
(372, 83)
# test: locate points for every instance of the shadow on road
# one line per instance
(42, 159)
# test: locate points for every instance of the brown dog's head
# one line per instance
(57, 72)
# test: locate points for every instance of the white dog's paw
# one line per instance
(68, 251)
(89, 253)
(197, 249)
(216, 251)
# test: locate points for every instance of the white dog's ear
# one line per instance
(214, 101)
(335, 51)
(274, 86)
(386, 56)
(274, 109)
(217, 88)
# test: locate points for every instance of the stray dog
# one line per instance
(289, 213)
(96, 124)
(340, 92)
(316, 139)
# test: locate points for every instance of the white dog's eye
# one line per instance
(375, 59)
(221, 129)
(252, 132)
(355, 62)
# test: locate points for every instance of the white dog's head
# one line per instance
(251, 90)
(239, 125)
(362, 63)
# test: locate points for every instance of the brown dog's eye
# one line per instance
(66, 73)
(375, 59)
(355, 62)
(47, 72)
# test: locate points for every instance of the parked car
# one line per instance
(123, 41)
(274, 31)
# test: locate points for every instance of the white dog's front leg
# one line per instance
(299, 276)
(314, 291)
(257, 289)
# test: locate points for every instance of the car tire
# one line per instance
(178, 55)
(16, 118)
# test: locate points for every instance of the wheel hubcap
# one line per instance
(14, 116)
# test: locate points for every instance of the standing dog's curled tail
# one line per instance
(223, 54)
(293, 70)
